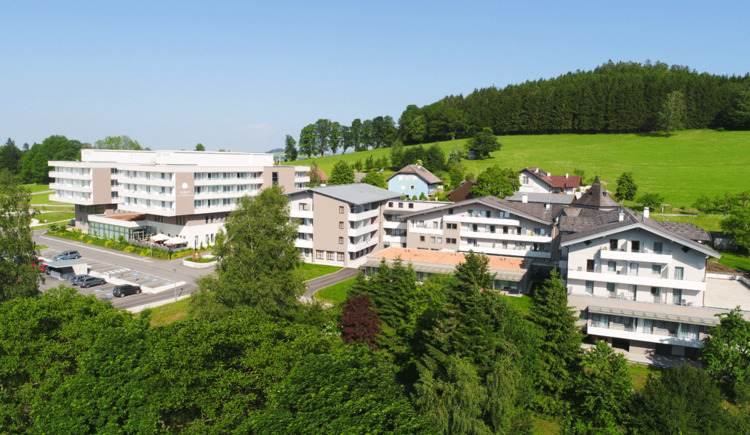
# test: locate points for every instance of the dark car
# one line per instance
(126, 289)
(91, 281)
(77, 279)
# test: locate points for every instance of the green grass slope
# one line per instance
(681, 167)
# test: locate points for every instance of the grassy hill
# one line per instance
(681, 167)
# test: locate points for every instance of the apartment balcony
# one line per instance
(356, 247)
(159, 211)
(356, 217)
(154, 196)
(303, 243)
(643, 279)
(426, 230)
(395, 225)
(505, 237)
(365, 229)
(481, 220)
(70, 187)
(643, 255)
(70, 175)
(305, 229)
(216, 209)
(301, 214)
(77, 199)
(394, 239)
(228, 181)
(633, 334)
(160, 182)
(221, 195)
(526, 253)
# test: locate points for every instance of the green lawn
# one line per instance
(335, 294)
(736, 261)
(523, 302)
(680, 168)
(34, 188)
(309, 271)
(168, 313)
(55, 216)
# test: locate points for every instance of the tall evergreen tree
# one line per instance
(290, 148)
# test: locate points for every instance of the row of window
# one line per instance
(226, 175)
(682, 331)
(232, 188)
(146, 175)
(400, 204)
(658, 295)
(329, 255)
(208, 203)
(633, 269)
(635, 246)
(148, 203)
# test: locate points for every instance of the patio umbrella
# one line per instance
(159, 237)
(176, 241)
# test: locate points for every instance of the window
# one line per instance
(612, 244)
(656, 269)
(505, 230)
(450, 211)
(341, 209)
(590, 287)
(339, 256)
(432, 239)
(656, 293)
(611, 266)
(635, 246)
(658, 247)
(341, 240)
(611, 288)
(452, 226)
(525, 179)
(421, 238)
(435, 224)
(589, 265)
(319, 255)
(390, 204)
(275, 178)
(330, 255)
(677, 296)
(412, 187)
(303, 206)
(341, 225)
(400, 205)
(440, 240)
(633, 269)
(411, 205)
(679, 272)
(450, 241)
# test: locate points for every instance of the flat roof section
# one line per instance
(505, 268)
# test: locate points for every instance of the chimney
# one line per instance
(524, 198)
(645, 213)
(620, 216)
(566, 175)
(546, 206)
(536, 170)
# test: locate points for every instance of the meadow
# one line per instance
(682, 167)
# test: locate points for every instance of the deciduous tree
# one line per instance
(341, 173)
(737, 225)
(672, 114)
(376, 179)
(359, 322)
(307, 140)
(200, 147)
(496, 181)
(483, 143)
(118, 143)
(626, 187)
(726, 350)
(290, 148)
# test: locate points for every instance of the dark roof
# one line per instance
(355, 194)
(536, 212)
(420, 171)
(597, 197)
(462, 192)
(584, 224)
(543, 198)
(560, 181)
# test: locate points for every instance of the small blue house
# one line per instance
(414, 180)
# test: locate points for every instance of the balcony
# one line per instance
(465, 218)
(302, 214)
(70, 175)
(395, 240)
(631, 334)
(78, 199)
(365, 229)
(506, 237)
(305, 229)
(527, 253)
(356, 247)
(303, 243)
(70, 187)
(426, 230)
(395, 225)
(355, 217)
(644, 279)
(641, 255)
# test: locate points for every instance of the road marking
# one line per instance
(107, 251)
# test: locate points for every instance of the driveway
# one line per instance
(320, 282)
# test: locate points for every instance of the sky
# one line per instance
(242, 75)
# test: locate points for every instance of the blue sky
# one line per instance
(241, 75)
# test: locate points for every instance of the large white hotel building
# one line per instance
(182, 194)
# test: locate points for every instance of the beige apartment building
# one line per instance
(339, 225)
(186, 195)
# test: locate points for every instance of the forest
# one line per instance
(445, 356)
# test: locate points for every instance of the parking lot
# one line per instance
(156, 277)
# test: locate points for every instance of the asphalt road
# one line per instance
(132, 268)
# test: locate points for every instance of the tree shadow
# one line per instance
(652, 134)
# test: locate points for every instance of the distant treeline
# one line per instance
(614, 98)
(627, 97)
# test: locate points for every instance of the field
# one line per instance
(335, 294)
(681, 168)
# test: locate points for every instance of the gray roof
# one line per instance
(63, 263)
(536, 212)
(544, 198)
(355, 194)
(419, 171)
(585, 224)
(596, 197)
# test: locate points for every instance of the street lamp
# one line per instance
(175, 284)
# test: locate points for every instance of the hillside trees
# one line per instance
(483, 143)
(737, 225)
(18, 276)
(10, 157)
(726, 352)
(118, 143)
(34, 163)
(672, 115)
(257, 257)
(290, 148)
(626, 187)
(307, 140)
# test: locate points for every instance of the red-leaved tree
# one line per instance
(359, 322)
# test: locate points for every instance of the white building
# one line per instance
(183, 194)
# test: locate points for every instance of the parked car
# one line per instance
(126, 289)
(67, 255)
(91, 281)
(77, 279)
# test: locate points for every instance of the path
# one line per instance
(318, 283)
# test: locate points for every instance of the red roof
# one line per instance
(560, 181)
(323, 176)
